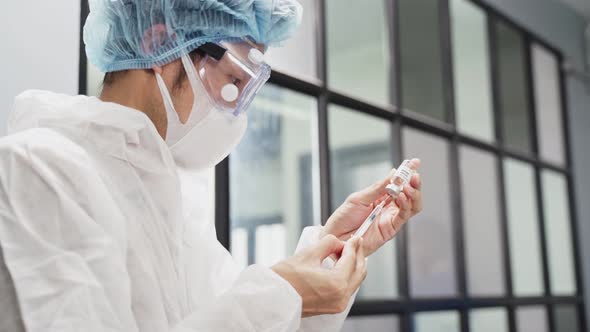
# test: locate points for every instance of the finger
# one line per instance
(372, 193)
(415, 163)
(404, 205)
(410, 192)
(416, 198)
(416, 181)
(347, 262)
(360, 271)
(329, 245)
(334, 257)
(360, 255)
(396, 219)
(388, 223)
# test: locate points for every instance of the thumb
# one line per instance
(347, 261)
(372, 193)
(329, 245)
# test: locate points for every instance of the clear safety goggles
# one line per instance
(232, 73)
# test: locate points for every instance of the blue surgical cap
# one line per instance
(140, 34)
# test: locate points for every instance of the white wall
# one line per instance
(40, 48)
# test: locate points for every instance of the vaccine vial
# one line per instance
(401, 178)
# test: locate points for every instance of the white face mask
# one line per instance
(209, 135)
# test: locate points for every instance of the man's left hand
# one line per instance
(357, 207)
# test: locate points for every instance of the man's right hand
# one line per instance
(325, 291)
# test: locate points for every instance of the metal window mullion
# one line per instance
(530, 91)
(446, 50)
(490, 147)
(543, 240)
(535, 144)
(454, 164)
(323, 125)
(222, 203)
(574, 221)
(403, 283)
(496, 81)
(83, 60)
(458, 238)
(402, 238)
(324, 154)
(431, 126)
(533, 160)
(310, 88)
(492, 10)
(348, 101)
(533, 137)
(401, 306)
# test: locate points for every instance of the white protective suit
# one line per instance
(98, 237)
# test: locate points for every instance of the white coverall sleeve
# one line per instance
(64, 245)
(327, 323)
(259, 300)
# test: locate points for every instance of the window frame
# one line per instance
(404, 306)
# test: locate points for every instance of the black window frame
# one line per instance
(404, 307)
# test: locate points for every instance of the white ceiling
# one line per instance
(581, 6)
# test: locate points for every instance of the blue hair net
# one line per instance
(139, 34)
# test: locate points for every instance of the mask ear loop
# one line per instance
(202, 104)
(168, 105)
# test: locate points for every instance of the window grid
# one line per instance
(405, 307)
(501, 178)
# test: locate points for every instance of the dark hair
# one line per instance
(111, 77)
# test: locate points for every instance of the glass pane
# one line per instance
(358, 53)
(548, 104)
(421, 59)
(483, 244)
(431, 258)
(473, 91)
(531, 319)
(513, 88)
(371, 323)
(361, 154)
(442, 321)
(523, 228)
(273, 176)
(488, 320)
(566, 318)
(270, 244)
(559, 235)
(298, 55)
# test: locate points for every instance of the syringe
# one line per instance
(370, 219)
(400, 179)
